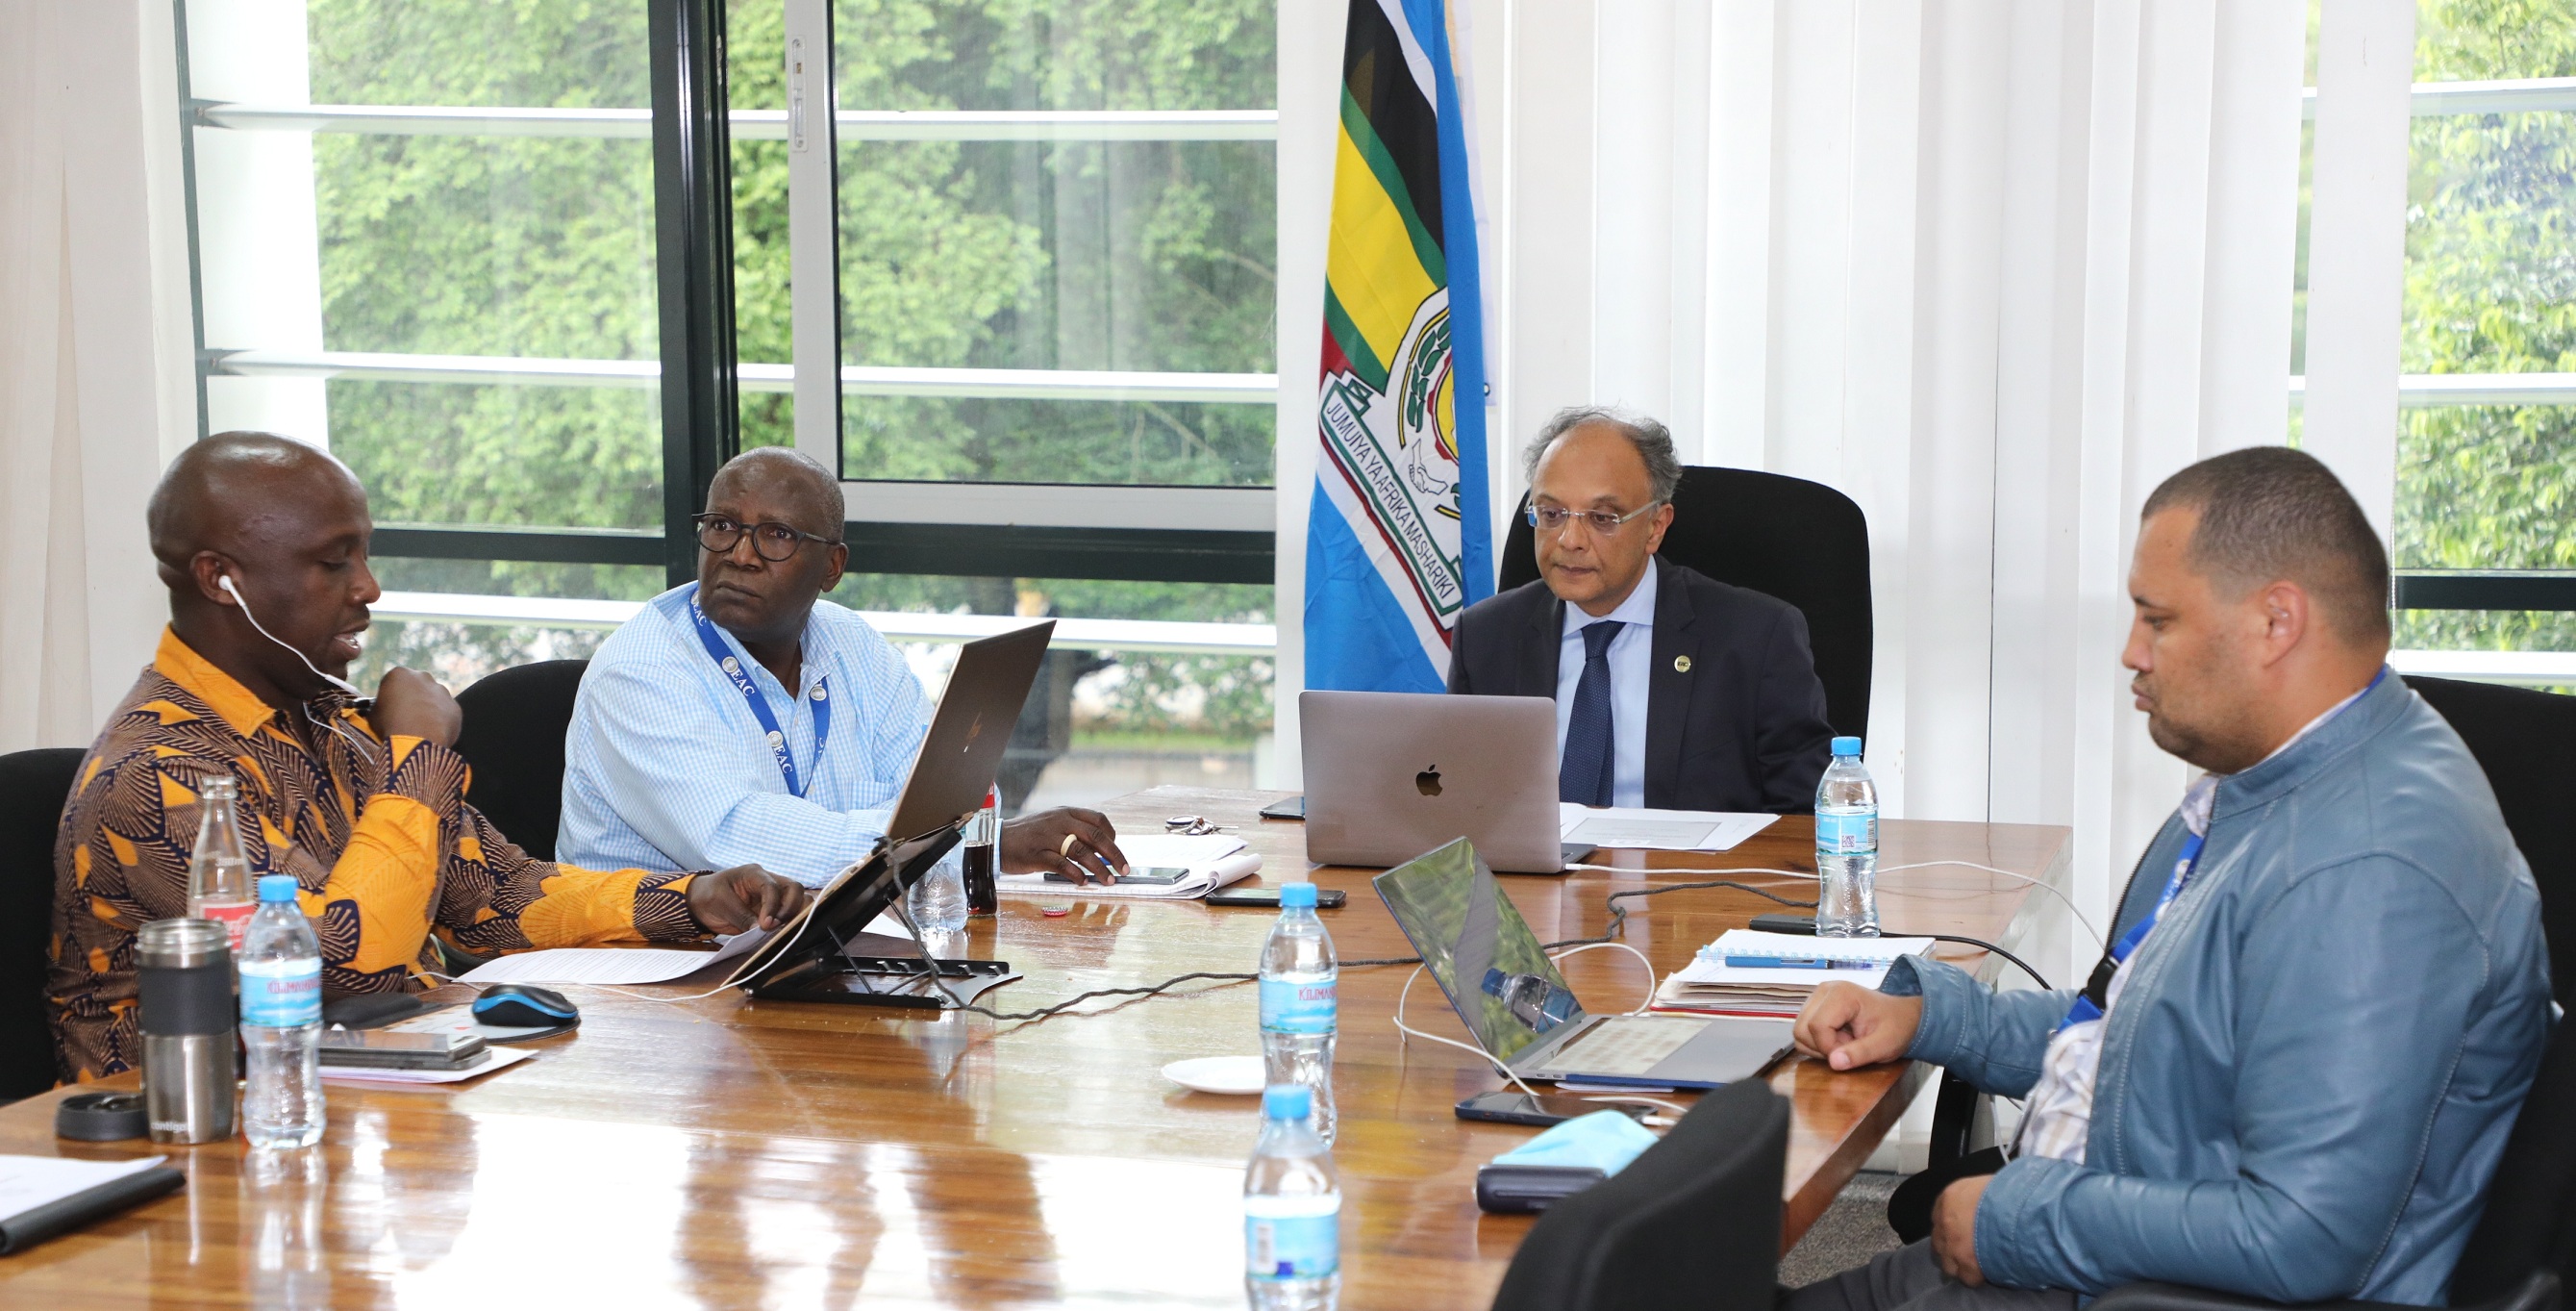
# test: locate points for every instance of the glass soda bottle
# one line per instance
(218, 869)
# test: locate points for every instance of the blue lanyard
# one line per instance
(2186, 863)
(732, 667)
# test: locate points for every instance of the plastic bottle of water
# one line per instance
(1847, 847)
(1299, 1006)
(937, 903)
(1292, 1209)
(218, 872)
(281, 1002)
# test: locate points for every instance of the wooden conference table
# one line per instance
(727, 1152)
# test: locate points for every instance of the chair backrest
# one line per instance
(2526, 742)
(33, 787)
(1695, 1221)
(2530, 1217)
(1799, 541)
(515, 721)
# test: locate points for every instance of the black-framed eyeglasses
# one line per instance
(1553, 518)
(774, 542)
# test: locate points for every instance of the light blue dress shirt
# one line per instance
(1632, 655)
(666, 769)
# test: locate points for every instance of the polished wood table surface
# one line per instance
(722, 1151)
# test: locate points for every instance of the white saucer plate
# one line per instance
(1235, 1076)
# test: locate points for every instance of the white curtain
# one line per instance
(1993, 268)
(97, 385)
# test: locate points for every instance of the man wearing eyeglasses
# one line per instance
(1672, 690)
(743, 712)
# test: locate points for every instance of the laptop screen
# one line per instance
(1477, 947)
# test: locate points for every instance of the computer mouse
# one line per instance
(519, 1006)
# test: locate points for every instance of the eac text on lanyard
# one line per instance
(821, 701)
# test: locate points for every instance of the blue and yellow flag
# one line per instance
(1399, 540)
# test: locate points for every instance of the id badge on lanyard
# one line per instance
(821, 701)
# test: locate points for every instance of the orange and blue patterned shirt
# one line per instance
(375, 831)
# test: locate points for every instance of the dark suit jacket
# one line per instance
(1743, 729)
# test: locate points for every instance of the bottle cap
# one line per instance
(1846, 746)
(1287, 1101)
(276, 887)
(1295, 895)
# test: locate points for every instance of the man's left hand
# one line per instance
(1954, 1230)
(738, 899)
(1078, 843)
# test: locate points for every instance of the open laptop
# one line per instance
(958, 758)
(1390, 775)
(1475, 943)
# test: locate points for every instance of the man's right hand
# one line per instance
(410, 703)
(1848, 1026)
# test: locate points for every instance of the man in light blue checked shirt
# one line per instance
(688, 743)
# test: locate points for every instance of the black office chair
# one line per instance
(2526, 743)
(1784, 537)
(33, 786)
(515, 721)
(1695, 1221)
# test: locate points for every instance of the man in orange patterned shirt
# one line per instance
(363, 805)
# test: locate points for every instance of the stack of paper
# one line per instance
(1657, 830)
(1708, 985)
(1213, 860)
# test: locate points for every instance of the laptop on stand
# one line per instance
(1475, 944)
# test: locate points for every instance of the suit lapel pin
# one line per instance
(1681, 664)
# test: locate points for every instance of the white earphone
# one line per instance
(225, 581)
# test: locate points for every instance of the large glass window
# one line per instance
(428, 238)
(2486, 452)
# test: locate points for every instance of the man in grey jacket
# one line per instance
(2293, 1072)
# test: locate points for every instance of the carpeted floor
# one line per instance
(1847, 1235)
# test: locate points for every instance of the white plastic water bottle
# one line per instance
(1299, 1002)
(281, 1002)
(1292, 1209)
(937, 903)
(1846, 847)
(218, 871)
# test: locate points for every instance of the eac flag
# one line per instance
(1399, 539)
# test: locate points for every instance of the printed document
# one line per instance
(611, 965)
(1657, 830)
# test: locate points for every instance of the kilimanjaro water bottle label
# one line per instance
(1846, 835)
(281, 994)
(1292, 1246)
(1288, 1006)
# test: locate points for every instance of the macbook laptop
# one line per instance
(1390, 775)
(1490, 965)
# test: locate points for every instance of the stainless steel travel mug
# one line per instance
(186, 972)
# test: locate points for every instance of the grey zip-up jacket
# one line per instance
(2309, 1076)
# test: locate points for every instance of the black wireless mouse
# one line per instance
(519, 1006)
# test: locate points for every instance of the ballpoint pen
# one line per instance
(1800, 963)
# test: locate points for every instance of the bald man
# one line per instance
(363, 805)
(671, 763)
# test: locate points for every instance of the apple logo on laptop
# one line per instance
(1428, 782)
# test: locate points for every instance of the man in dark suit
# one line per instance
(1672, 690)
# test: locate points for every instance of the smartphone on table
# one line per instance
(1325, 898)
(1511, 1106)
(1149, 875)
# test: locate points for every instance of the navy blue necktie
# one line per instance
(1584, 775)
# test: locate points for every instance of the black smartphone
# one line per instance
(1325, 898)
(1292, 808)
(1779, 923)
(1540, 1109)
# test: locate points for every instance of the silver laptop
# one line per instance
(1390, 775)
(1475, 943)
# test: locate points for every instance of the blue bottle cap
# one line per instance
(1294, 895)
(1846, 746)
(276, 887)
(1287, 1101)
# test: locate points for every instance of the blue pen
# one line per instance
(1800, 963)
